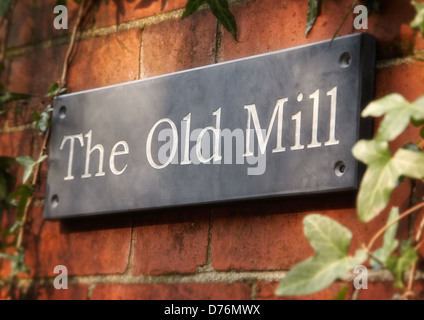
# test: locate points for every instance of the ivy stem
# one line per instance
(382, 230)
(33, 182)
(71, 45)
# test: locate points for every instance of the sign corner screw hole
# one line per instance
(345, 60)
(340, 168)
(55, 201)
(62, 112)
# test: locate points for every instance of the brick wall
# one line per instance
(231, 251)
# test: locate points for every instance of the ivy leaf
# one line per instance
(4, 7)
(21, 196)
(373, 5)
(399, 264)
(221, 11)
(3, 186)
(54, 90)
(342, 293)
(41, 121)
(6, 162)
(191, 7)
(17, 262)
(312, 15)
(382, 174)
(331, 242)
(219, 8)
(390, 243)
(13, 96)
(29, 164)
(398, 114)
(418, 21)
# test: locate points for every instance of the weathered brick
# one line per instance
(20, 112)
(269, 235)
(32, 21)
(174, 291)
(18, 143)
(173, 241)
(266, 291)
(105, 61)
(34, 72)
(85, 246)
(120, 11)
(395, 37)
(406, 79)
(176, 45)
(48, 292)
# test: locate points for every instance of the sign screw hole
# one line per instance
(55, 201)
(340, 168)
(345, 60)
(62, 112)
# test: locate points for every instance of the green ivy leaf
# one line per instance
(219, 8)
(373, 5)
(331, 242)
(382, 174)
(4, 7)
(312, 15)
(41, 121)
(3, 186)
(21, 195)
(390, 243)
(399, 264)
(6, 162)
(17, 262)
(418, 21)
(342, 293)
(54, 90)
(29, 164)
(398, 114)
(13, 96)
(191, 7)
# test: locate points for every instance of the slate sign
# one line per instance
(276, 124)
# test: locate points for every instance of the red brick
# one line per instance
(375, 291)
(176, 45)
(20, 113)
(105, 60)
(406, 79)
(120, 11)
(269, 25)
(18, 143)
(266, 291)
(268, 235)
(419, 41)
(32, 21)
(74, 292)
(34, 72)
(175, 291)
(85, 246)
(171, 242)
